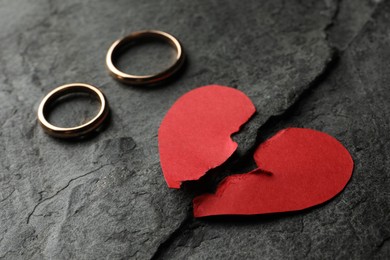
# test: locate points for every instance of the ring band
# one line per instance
(78, 131)
(117, 46)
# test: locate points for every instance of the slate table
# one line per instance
(316, 64)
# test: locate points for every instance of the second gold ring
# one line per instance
(118, 45)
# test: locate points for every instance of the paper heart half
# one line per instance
(298, 168)
(194, 136)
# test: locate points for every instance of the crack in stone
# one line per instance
(360, 31)
(164, 245)
(63, 188)
(333, 20)
(381, 244)
(8, 196)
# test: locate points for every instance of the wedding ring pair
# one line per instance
(113, 52)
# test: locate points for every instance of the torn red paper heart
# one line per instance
(194, 136)
(298, 168)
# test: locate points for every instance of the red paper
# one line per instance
(298, 168)
(194, 136)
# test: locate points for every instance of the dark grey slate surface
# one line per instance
(350, 17)
(105, 197)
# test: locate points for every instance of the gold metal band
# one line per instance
(115, 49)
(78, 131)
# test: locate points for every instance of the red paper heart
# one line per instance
(194, 136)
(298, 168)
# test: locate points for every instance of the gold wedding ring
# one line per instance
(120, 44)
(78, 131)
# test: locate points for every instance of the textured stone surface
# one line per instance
(351, 16)
(105, 197)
